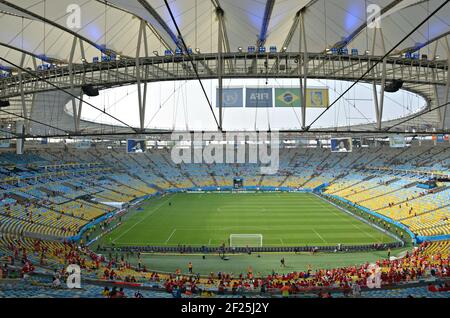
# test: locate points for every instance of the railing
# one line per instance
(236, 65)
(246, 250)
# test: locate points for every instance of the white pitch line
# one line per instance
(138, 222)
(354, 225)
(357, 227)
(282, 243)
(366, 233)
(320, 236)
(173, 232)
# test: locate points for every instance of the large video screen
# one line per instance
(83, 144)
(341, 145)
(397, 141)
(136, 146)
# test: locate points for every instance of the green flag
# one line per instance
(287, 97)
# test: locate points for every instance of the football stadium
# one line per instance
(224, 149)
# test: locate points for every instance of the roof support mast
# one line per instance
(439, 100)
(294, 25)
(22, 94)
(151, 27)
(142, 95)
(379, 100)
(76, 111)
(191, 60)
(444, 111)
(220, 72)
(303, 70)
(435, 102)
(220, 14)
(290, 35)
(222, 43)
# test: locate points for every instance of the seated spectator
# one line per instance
(56, 282)
(105, 292)
(113, 293)
(121, 293)
(432, 288)
(285, 290)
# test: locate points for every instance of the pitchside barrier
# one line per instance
(433, 238)
(86, 227)
(417, 239)
(245, 250)
(241, 190)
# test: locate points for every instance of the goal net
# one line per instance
(244, 240)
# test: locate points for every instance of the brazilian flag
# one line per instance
(287, 97)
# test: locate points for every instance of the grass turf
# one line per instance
(284, 219)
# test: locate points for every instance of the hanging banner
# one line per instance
(317, 97)
(287, 97)
(290, 97)
(231, 97)
(259, 97)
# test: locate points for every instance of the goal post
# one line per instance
(244, 240)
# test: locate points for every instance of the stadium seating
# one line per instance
(70, 188)
(395, 275)
(52, 194)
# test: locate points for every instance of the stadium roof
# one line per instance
(32, 29)
(40, 26)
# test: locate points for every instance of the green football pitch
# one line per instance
(208, 219)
